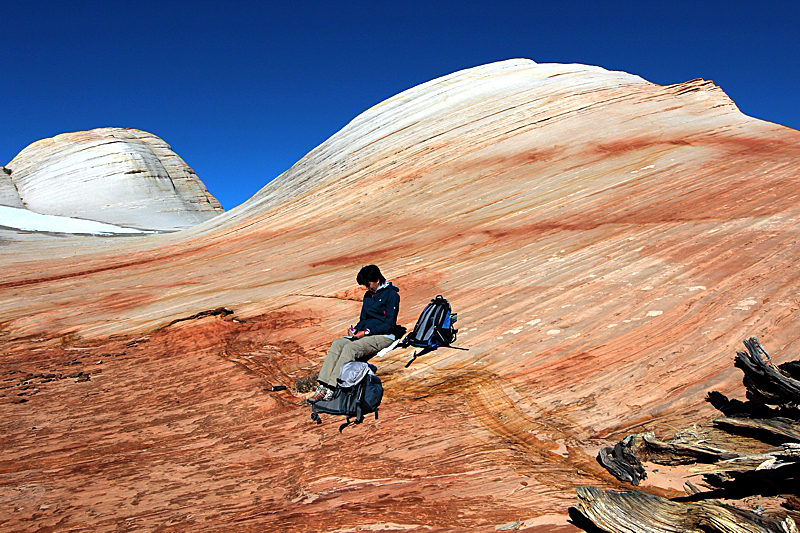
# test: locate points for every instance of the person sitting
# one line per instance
(373, 332)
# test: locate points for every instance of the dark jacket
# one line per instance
(379, 311)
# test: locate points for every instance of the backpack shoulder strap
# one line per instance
(314, 415)
(422, 352)
(362, 389)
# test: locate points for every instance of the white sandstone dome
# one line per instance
(118, 176)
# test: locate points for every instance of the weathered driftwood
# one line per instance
(766, 382)
(782, 456)
(638, 512)
(699, 443)
(780, 428)
(689, 446)
(749, 429)
(754, 443)
(727, 454)
(622, 463)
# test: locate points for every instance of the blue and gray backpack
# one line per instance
(434, 328)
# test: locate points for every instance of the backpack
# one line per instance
(359, 392)
(434, 328)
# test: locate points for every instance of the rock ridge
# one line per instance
(427, 128)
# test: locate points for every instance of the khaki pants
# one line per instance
(344, 350)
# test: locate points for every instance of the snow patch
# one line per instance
(23, 219)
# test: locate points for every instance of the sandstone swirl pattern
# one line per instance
(118, 176)
(606, 242)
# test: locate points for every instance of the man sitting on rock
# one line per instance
(373, 332)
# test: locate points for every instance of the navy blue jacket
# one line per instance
(379, 311)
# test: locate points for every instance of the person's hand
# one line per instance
(360, 334)
(351, 331)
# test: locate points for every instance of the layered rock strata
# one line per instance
(606, 242)
(9, 196)
(119, 176)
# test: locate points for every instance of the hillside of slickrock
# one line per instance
(606, 242)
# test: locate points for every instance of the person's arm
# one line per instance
(393, 310)
(362, 317)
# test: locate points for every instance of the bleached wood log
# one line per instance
(785, 455)
(639, 512)
(778, 427)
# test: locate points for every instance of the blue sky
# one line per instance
(242, 90)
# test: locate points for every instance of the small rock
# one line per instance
(134, 342)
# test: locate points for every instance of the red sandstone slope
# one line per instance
(606, 242)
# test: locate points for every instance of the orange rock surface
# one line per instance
(607, 243)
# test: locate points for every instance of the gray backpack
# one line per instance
(359, 392)
(434, 329)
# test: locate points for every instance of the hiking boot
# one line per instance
(322, 393)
